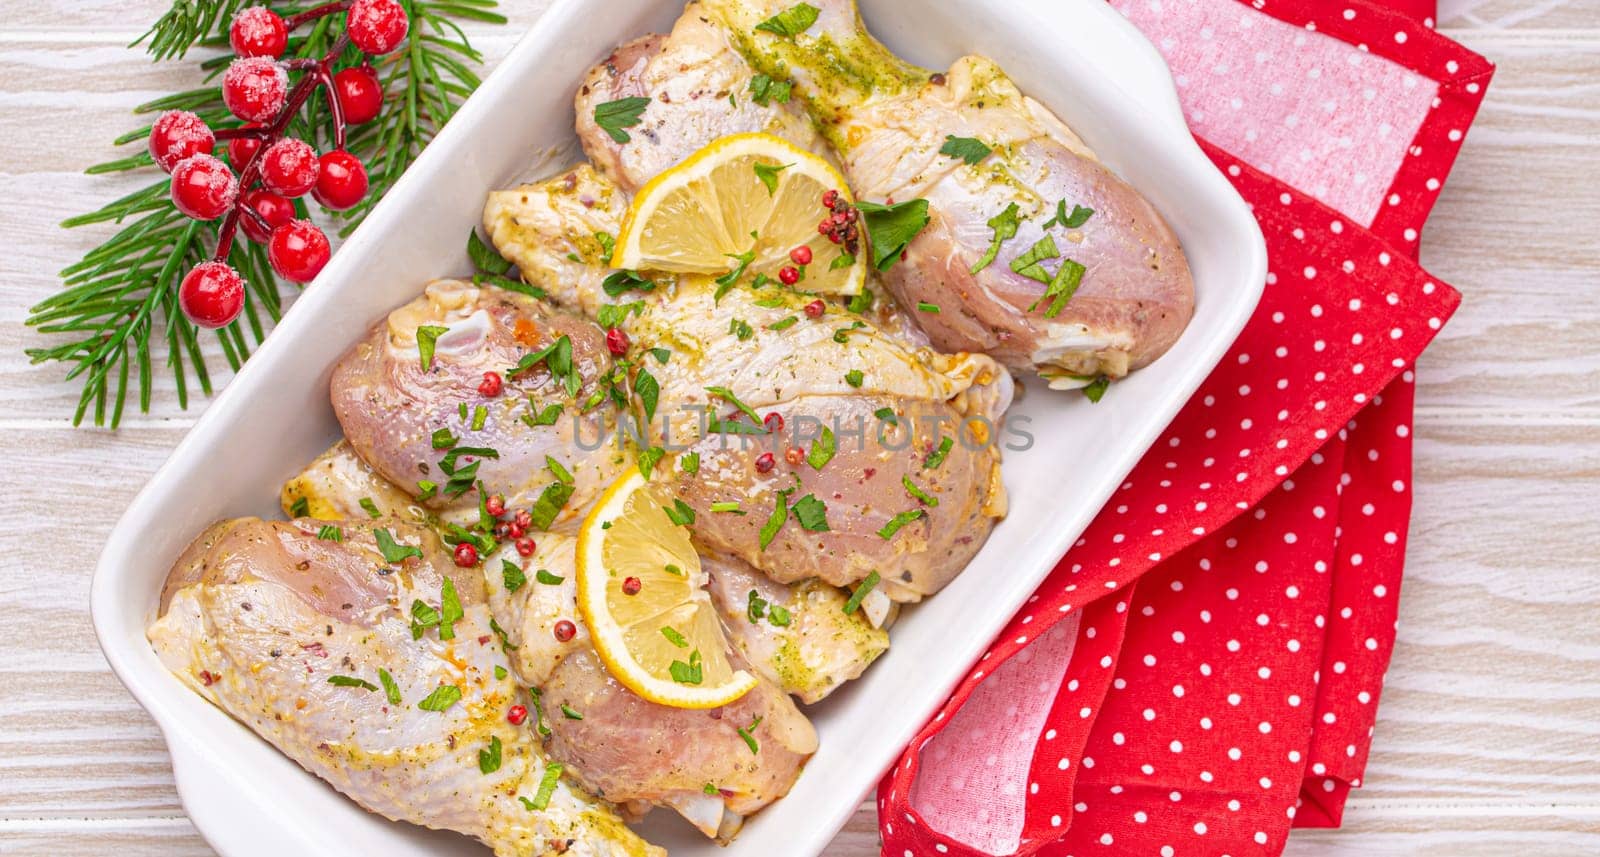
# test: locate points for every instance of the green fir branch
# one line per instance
(117, 311)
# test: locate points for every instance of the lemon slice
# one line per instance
(703, 215)
(641, 592)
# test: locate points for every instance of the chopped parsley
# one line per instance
(485, 258)
(613, 315)
(727, 281)
(443, 438)
(300, 508)
(747, 733)
(727, 395)
(741, 329)
(570, 713)
(426, 489)
(391, 690)
(886, 414)
(547, 417)
(842, 335)
(428, 339)
(489, 757)
(898, 521)
(892, 227)
(674, 637)
(811, 513)
(500, 673)
(512, 575)
(791, 22)
(1079, 216)
(442, 697)
(689, 462)
(966, 149)
(855, 378)
(371, 507)
(1028, 264)
(775, 521)
(330, 533)
(649, 457)
(1096, 388)
(916, 492)
(784, 323)
(927, 307)
(613, 116)
(768, 174)
(547, 788)
(661, 355)
(822, 449)
(393, 552)
(621, 282)
(764, 89)
(648, 389)
(863, 588)
(553, 497)
(679, 512)
(545, 577)
(845, 260)
(692, 672)
(727, 506)
(1062, 286)
(449, 610)
(351, 681)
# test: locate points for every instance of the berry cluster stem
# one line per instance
(319, 74)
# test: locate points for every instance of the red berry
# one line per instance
(516, 530)
(794, 455)
(176, 135)
(816, 308)
(495, 506)
(565, 631)
(526, 546)
(290, 167)
(203, 187)
(830, 198)
(359, 93)
(274, 209)
(502, 529)
(212, 294)
(773, 422)
(524, 518)
(376, 26)
(466, 555)
(298, 250)
(491, 386)
(631, 586)
(801, 255)
(341, 180)
(258, 32)
(254, 88)
(242, 149)
(788, 275)
(517, 715)
(617, 341)
(765, 462)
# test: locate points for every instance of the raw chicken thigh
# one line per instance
(529, 596)
(419, 413)
(699, 90)
(836, 369)
(308, 641)
(1125, 296)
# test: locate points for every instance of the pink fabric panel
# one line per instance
(1331, 121)
(982, 759)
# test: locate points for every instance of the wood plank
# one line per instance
(1514, 232)
(1516, 14)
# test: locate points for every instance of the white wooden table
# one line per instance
(1488, 740)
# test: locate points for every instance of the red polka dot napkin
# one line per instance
(1201, 670)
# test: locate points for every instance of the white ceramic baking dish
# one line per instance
(1077, 56)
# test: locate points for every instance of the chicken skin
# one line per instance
(309, 641)
(1087, 279)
